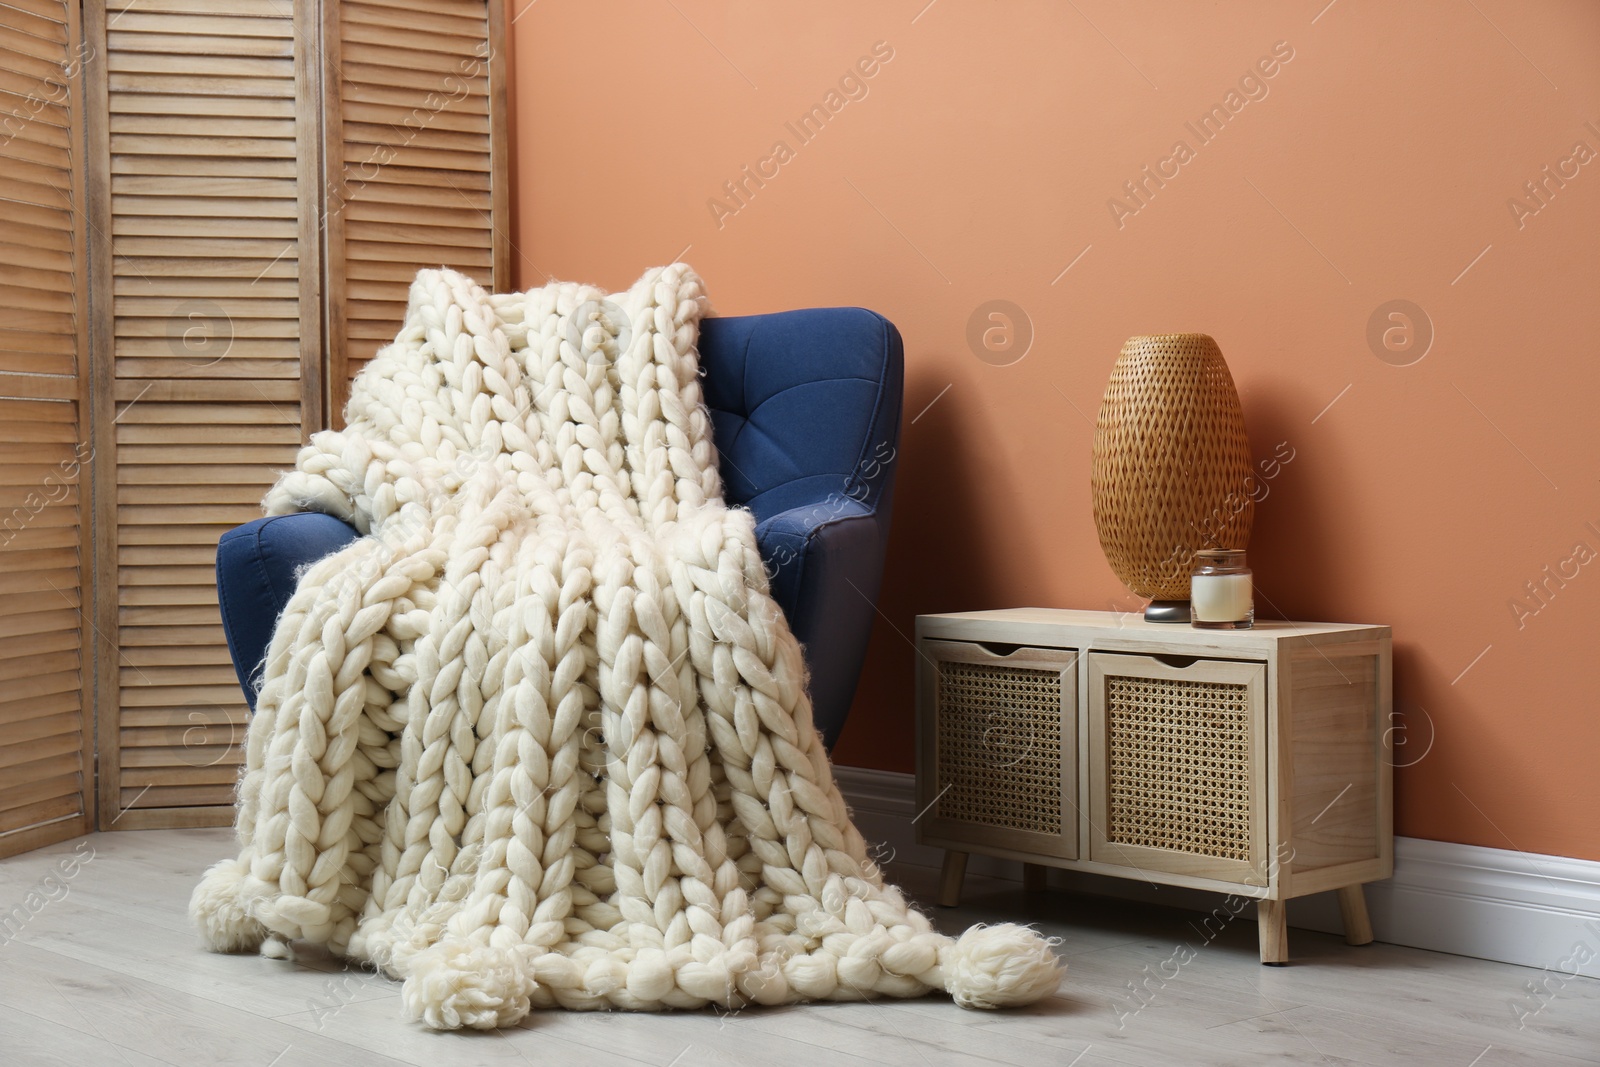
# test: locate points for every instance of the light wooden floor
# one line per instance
(111, 974)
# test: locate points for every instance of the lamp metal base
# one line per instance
(1167, 611)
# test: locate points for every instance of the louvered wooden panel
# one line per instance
(213, 329)
(46, 744)
(416, 153)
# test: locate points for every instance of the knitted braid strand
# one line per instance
(542, 738)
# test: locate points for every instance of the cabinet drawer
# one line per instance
(1177, 765)
(997, 747)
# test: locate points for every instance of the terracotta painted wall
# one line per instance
(1382, 158)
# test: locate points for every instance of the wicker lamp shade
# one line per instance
(1171, 462)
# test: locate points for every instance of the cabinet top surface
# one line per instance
(1132, 624)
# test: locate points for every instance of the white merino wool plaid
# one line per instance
(541, 737)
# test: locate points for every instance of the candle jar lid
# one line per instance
(1220, 561)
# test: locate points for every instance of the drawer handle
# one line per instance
(1178, 662)
(998, 648)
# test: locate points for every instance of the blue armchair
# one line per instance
(805, 411)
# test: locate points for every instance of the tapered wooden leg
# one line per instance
(1272, 919)
(1033, 877)
(955, 869)
(1353, 907)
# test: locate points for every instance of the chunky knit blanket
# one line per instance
(541, 738)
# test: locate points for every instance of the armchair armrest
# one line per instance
(257, 569)
(826, 561)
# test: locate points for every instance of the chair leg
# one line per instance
(955, 869)
(1353, 908)
(1033, 877)
(1272, 920)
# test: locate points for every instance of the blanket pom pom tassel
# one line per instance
(456, 984)
(220, 908)
(1000, 966)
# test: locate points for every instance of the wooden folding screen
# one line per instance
(46, 743)
(254, 155)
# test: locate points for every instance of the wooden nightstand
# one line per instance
(1251, 762)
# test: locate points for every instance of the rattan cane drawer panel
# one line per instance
(1178, 774)
(999, 746)
(1177, 765)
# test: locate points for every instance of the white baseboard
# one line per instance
(1494, 904)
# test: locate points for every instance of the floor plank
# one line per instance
(26, 1041)
(160, 1021)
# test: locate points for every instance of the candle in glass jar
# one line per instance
(1220, 593)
